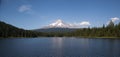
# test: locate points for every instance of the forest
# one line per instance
(7, 30)
(110, 31)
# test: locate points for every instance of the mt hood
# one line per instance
(59, 24)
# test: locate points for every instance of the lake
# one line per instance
(59, 47)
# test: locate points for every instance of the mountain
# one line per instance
(58, 26)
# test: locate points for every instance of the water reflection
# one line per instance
(57, 46)
(84, 45)
(112, 47)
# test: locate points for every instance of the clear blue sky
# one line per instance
(33, 14)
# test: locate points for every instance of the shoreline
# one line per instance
(64, 37)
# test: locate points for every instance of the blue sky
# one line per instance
(33, 14)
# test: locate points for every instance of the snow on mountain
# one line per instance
(59, 24)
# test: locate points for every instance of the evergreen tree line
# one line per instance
(7, 30)
(111, 30)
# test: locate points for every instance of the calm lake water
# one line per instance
(59, 47)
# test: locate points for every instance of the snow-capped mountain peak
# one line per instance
(58, 24)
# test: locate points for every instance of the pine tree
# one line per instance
(111, 24)
(103, 26)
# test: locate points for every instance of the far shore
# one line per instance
(63, 37)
